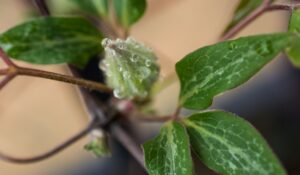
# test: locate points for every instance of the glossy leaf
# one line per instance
(129, 11)
(230, 145)
(214, 69)
(52, 40)
(169, 152)
(96, 7)
(244, 8)
(293, 52)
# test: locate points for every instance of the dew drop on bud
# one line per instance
(106, 41)
(132, 68)
(148, 63)
(134, 58)
(118, 93)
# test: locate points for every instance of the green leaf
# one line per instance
(96, 7)
(293, 52)
(294, 25)
(169, 152)
(214, 69)
(244, 8)
(53, 40)
(129, 11)
(230, 145)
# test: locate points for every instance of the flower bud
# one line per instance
(130, 67)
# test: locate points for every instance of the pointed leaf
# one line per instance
(230, 145)
(52, 40)
(129, 11)
(169, 152)
(214, 69)
(293, 52)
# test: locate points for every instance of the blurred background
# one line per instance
(37, 114)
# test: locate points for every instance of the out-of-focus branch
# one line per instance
(266, 6)
(53, 151)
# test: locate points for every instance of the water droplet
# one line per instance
(118, 93)
(121, 46)
(106, 41)
(144, 72)
(134, 58)
(103, 66)
(113, 52)
(148, 62)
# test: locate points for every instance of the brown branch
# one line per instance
(42, 7)
(53, 151)
(266, 6)
(14, 70)
(63, 78)
(246, 21)
(288, 7)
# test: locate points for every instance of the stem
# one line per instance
(176, 113)
(53, 151)
(42, 7)
(288, 7)
(14, 70)
(266, 6)
(246, 21)
(63, 78)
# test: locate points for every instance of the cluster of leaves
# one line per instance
(224, 142)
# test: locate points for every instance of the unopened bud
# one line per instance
(130, 67)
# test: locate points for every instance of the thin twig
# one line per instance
(53, 151)
(63, 78)
(266, 6)
(246, 21)
(288, 7)
(14, 70)
(42, 7)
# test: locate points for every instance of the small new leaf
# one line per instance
(129, 11)
(53, 40)
(169, 152)
(230, 145)
(214, 69)
(293, 52)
